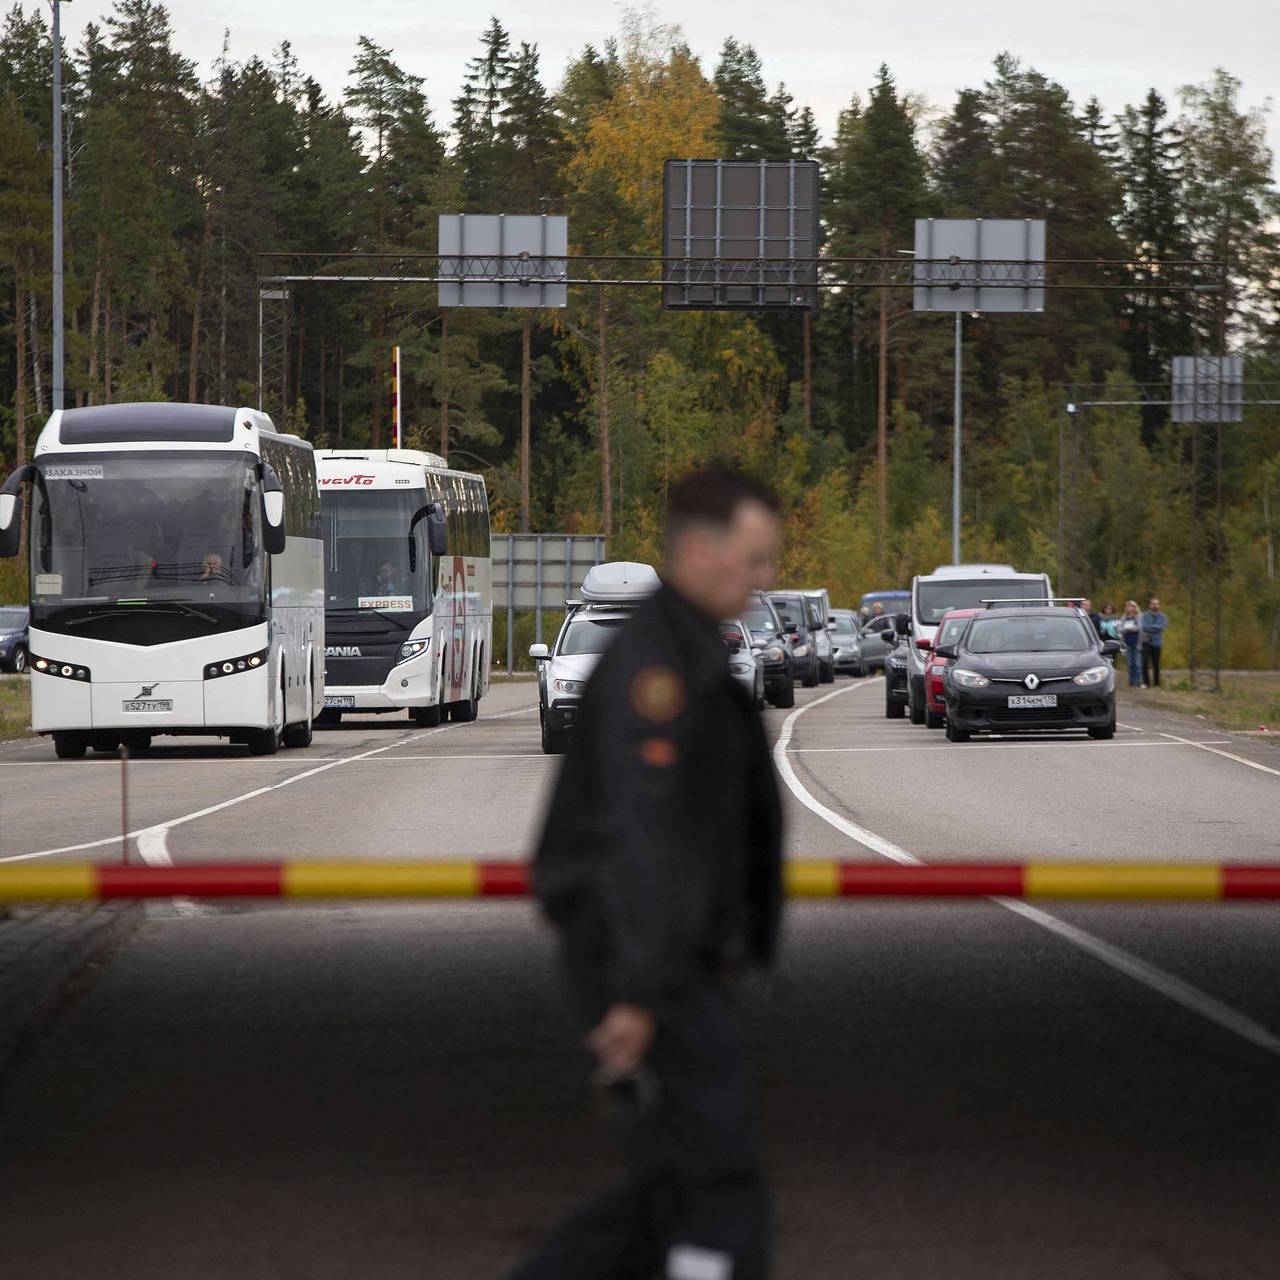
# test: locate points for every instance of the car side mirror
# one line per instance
(734, 644)
(1111, 646)
(831, 626)
(923, 642)
(944, 651)
(539, 652)
(902, 623)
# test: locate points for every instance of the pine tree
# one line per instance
(750, 127)
(1231, 202)
(964, 162)
(589, 82)
(1151, 164)
(530, 132)
(803, 138)
(477, 119)
(1099, 132)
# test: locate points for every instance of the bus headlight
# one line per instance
(63, 670)
(234, 666)
(412, 648)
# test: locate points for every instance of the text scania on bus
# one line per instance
(408, 585)
(176, 577)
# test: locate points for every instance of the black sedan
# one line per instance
(895, 670)
(1018, 669)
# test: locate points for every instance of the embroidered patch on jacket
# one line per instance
(657, 694)
(661, 753)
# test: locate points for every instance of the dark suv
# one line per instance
(1029, 668)
(14, 619)
(767, 636)
(806, 664)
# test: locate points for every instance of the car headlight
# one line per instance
(1091, 675)
(801, 651)
(568, 686)
(774, 654)
(969, 679)
(412, 648)
(742, 667)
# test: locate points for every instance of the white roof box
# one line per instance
(619, 582)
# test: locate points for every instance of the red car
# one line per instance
(950, 626)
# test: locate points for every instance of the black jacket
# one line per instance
(662, 847)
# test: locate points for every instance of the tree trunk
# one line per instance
(526, 336)
(606, 460)
(197, 303)
(94, 313)
(20, 360)
(444, 385)
(222, 322)
(302, 352)
(341, 368)
(323, 434)
(37, 381)
(808, 370)
(106, 347)
(882, 410)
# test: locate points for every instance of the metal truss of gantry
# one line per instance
(1204, 394)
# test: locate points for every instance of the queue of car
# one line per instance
(986, 649)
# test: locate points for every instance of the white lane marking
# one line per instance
(1149, 975)
(157, 832)
(475, 755)
(1025, 745)
(1205, 746)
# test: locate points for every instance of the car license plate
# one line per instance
(1033, 700)
(147, 704)
(340, 700)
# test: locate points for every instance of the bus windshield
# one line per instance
(366, 551)
(117, 532)
(944, 594)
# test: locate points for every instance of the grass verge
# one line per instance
(15, 708)
(1247, 701)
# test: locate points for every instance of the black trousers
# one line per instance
(694, 1202)
(1150, 665)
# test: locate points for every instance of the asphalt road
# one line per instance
(961, 1089)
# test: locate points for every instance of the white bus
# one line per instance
(408, 585)
(177, 578)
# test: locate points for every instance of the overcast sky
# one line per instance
(823, 49)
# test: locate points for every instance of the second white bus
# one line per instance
(408, 585)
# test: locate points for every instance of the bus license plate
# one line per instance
(147, 704)
(1031, 700)
(340, 700)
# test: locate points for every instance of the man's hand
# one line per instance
(622, 1038)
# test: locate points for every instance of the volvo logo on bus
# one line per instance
(342, 651)
(146, 691)
(327, 482)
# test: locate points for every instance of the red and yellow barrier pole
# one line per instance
(406, 878)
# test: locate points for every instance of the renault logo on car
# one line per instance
(1032, 681)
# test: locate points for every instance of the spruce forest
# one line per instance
(177, 177)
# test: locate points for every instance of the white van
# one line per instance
(958, 586)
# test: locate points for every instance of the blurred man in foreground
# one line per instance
(660, 868)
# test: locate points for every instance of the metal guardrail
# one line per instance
(352, 879)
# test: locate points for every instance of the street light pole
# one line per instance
(955, 450)
(57, 321)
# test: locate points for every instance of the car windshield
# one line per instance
(1041, 634)
(844, 624)
(138, 530)
(814, 611)
(790, 611)
(949, 632)
(12, 619)
(588, 635)
(760, 618)
(731, 633)
(367, 562)
(945, 594)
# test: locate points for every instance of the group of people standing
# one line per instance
(1141, 631)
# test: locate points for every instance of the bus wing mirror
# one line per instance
(273, 530)
(11, 510)
(437, 531)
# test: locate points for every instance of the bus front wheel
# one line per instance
(69, 746)
(426, 717)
